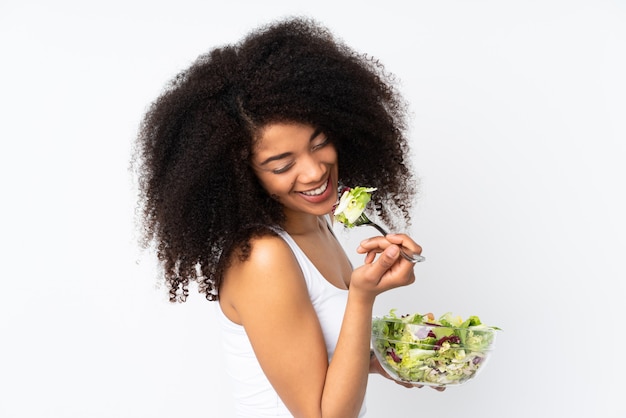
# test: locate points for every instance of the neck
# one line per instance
(302, 223)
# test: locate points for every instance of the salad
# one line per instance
(352, 203)
(419, 348)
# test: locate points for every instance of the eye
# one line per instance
(320, 143)
(283, 169)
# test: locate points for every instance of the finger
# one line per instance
(411, 278)
(370, 257)
(386, 259)
(381, 267)
(371, 248)
(390, 267)
(404, 241)
(377, 244)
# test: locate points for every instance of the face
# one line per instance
(297, 165)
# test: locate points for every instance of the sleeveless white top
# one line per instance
(254, 395)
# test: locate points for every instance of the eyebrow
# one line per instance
(314, 135)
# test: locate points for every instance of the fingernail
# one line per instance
(393, 251)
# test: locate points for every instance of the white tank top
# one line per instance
(254, 395)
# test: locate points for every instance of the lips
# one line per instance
(317, 191)
(320, 194)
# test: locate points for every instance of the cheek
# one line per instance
(274, 184)
(331, 155)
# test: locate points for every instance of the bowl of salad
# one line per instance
(436, 352)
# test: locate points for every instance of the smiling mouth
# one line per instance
(316, 192)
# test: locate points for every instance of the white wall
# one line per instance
(518, 132)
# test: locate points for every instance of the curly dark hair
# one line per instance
(199, 198)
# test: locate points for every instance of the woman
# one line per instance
(241, 158)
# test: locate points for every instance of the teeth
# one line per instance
(317, 191)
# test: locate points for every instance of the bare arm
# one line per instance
(269, 296)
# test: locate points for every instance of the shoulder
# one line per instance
(270, 272)
(268, 253)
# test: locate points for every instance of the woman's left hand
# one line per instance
(375, 367)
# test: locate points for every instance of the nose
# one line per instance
(312, 170)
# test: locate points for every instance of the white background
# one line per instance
(518, 134)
